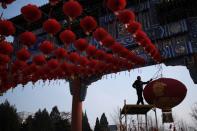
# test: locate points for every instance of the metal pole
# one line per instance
(146, 122)
(76, 123)
(125, 111)
(138, 123)
(156, 118)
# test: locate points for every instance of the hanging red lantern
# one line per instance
(108, 41)
(144, 42)
(53, 63)
(72, 9)
(4, 59)
(83, 61)
(51, 26)
(81, 44)
(116, 5)
(74, 57)
(116, 48)
(46, 47)
(53, 2)
(108, 58)
(133, 27)
(60, 53)
(31, 13)
(39, 59)
(140, 35)
(126, 16)
(90, 50)
(6, 28)
(23, 54)
(124, 52)
(27, 38)
(67, 36)
(100, 33)
(18, 65)
(6, 48)
(100, 54)
(88, 24)
(165, 93)
(64, 66)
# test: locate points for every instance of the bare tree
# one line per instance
(194, 114)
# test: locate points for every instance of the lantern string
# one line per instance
(158, 73)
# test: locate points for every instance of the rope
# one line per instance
(158, 73)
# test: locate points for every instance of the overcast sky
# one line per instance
(104, 95)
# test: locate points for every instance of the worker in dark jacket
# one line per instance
(138, 85)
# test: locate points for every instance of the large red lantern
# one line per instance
(165, 93)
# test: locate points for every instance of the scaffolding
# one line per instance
(132, 109)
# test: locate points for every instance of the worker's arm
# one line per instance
(147, 82)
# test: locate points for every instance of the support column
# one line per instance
(76, 123)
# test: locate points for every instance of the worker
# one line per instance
(138, 85)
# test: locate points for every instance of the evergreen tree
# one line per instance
(85, 123)
(27, 125)
(59, 123)
(104, 123)
(55, 115)
(97, 125)
(9, 120)
(42, 121)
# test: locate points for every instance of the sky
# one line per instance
(105, 95)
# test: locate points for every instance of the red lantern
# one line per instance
(144, 42)
(88, 24)
(116, 48)
(133, 27)
(140, 35)
(31, 13)
(108, 41)
(100, 54)
(23, 54)
(165, 93)
(4, 59)
(81, 44)
(46, 47)
(126, 16)
(5, 2)
(83, 61)
(52, 26)
(39, 60)
(53, 63)
(18, 65)
(67, 37)
(6, 48)
(72, 9)
(90, 50)
(6, 28)
(60, 53)
(64, 66)
(100, 33)
(116, 5)
(74, 57)
(27, 38)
